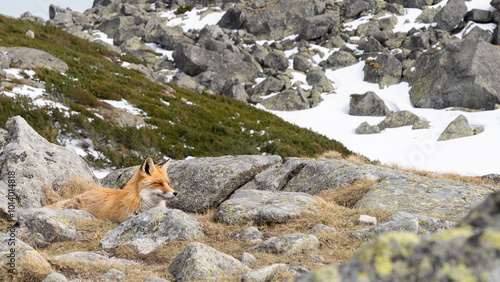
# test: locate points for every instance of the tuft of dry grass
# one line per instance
(349, 195)
(356, 158)
(331, 155)
(27, 269)
(75, 186)
(477, 180)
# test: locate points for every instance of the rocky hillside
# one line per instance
(243, 218)
(435, 54)
(76, 93)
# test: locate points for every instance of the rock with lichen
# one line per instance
(287, 244)
(458, 128)
(261, 207)
(470, 252)
(43, 226)
(151, 229)
(417, 194)
(201, 262)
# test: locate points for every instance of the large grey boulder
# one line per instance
(318, 26)
(368, 104)
(29, 58)
(37, 163)
(207, 182)
(318, 80)
(151, 229)
(355, 7)
(417, 194)
(269, 85)
(385, 70)
(329, 174)
(405, 222)
(19, 257)
(451, 15)
(458, 128)
(235, 89)
(194, 60)
(42, 226)
(469, 251)
(287, 100)
(461, 75)
(413, 3)
(276, 60)
(399, 119)
(277, 20)
(201, 262)
(112, 25)
(287, 244)
(261, 207)
(300, 63)
(340, 59)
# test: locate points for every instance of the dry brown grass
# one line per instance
(331, 155)
(349, 195)
(75, 186)
(27, 269)
(334, 210)
(477, 180)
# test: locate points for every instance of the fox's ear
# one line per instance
(148, 166)
(164, 165)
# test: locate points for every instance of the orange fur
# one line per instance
(148, 188)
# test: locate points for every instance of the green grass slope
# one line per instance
(212, 125)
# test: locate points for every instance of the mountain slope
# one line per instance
(178, 123)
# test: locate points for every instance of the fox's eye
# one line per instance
(159, 183)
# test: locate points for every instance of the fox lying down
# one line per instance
(148, 188)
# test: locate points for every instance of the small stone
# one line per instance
(366, 128)
(422, 124)
(457, 129)
(114, 274)
(478, 130)
(321, 228)
(55, 277)
(248, 259)
(366, 219)
(250, 235)
(30, 34)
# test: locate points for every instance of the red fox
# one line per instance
(148, 188)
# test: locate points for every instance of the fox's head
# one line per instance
(154, 185)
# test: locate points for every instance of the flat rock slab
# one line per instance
(405, 222)
(201, 262)
(91, 258)
(205, 183)
(288, 244)
(260, 207)
(36, 163)
(29, 58)
(151, 229)
(330, 174)
(43, 226)
(418, 194)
